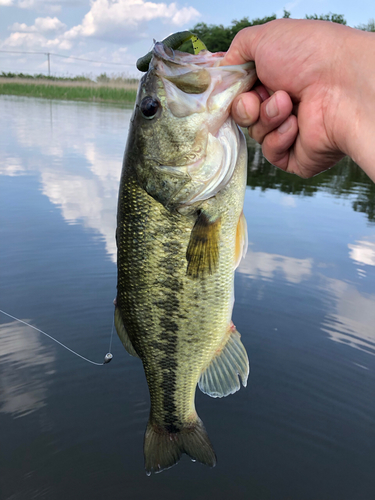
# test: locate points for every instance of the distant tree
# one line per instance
(370, 26)
(245, 23)
(346, 179)
(218, 38)
(334, 18)
(103, 78)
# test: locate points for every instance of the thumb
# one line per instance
(243, 47)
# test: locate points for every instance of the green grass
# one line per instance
(76, 93)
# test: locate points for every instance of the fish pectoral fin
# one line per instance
(220, 378)
(202, 253)
(163, 449)
(122, 333)
(241, 240)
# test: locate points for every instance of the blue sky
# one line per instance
(117, 32)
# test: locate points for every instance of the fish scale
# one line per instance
(165, 306)
(176, 315)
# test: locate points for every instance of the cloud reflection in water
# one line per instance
(352, 318)
(24, 366)
(54, 149)
(266, 265)
(363, 252)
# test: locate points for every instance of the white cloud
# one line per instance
(52, 6)
(352, 318)
(33, 41)
(48, 24)
(184, 15)
(23, 390)
(11, 166)
(363, 252)
(43, 25)
(266, 265)
(288, 200)
(21, 27)
(120, 20)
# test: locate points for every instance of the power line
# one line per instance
(20, 52)
(90, 60)
(66, 57)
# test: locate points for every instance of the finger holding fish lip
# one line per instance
(269, 120)
(246, 109)
(259, 115)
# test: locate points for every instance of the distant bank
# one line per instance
(121, 92)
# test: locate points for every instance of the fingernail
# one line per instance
(241, 111)
(284, 127)
(271, 108)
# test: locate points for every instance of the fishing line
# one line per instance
(110, 340)
(107, 358)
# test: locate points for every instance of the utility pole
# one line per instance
(49, 67)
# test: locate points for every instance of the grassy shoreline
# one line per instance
(124, 93)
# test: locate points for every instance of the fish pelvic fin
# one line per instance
(202, 253)
(122, 333)
(163, 449)
(221, 377)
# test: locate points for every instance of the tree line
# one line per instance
(218, 38)
(346, 179)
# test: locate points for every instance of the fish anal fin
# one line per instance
(241, 240)
(163, 449)
(122, 333)
(221, 377)
(202, 253)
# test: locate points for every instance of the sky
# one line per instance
(116, 32)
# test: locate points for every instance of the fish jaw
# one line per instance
(176, 146)
(217, 85)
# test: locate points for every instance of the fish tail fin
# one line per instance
(163, 449)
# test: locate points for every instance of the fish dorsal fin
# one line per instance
(122, 333)
(220, 378)
(241, 240)
(202, 253)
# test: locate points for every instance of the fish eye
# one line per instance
(149, 107)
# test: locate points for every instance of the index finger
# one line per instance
(243, 47)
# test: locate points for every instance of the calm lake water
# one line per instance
(304, 427)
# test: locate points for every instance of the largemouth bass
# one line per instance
(180, 235)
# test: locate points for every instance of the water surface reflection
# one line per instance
(25, 365)
(305, 307)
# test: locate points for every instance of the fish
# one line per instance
(180, 235)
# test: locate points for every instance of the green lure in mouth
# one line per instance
(173, 42)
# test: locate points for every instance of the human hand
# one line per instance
(305, 112)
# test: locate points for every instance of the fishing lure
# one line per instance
(173, 41)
